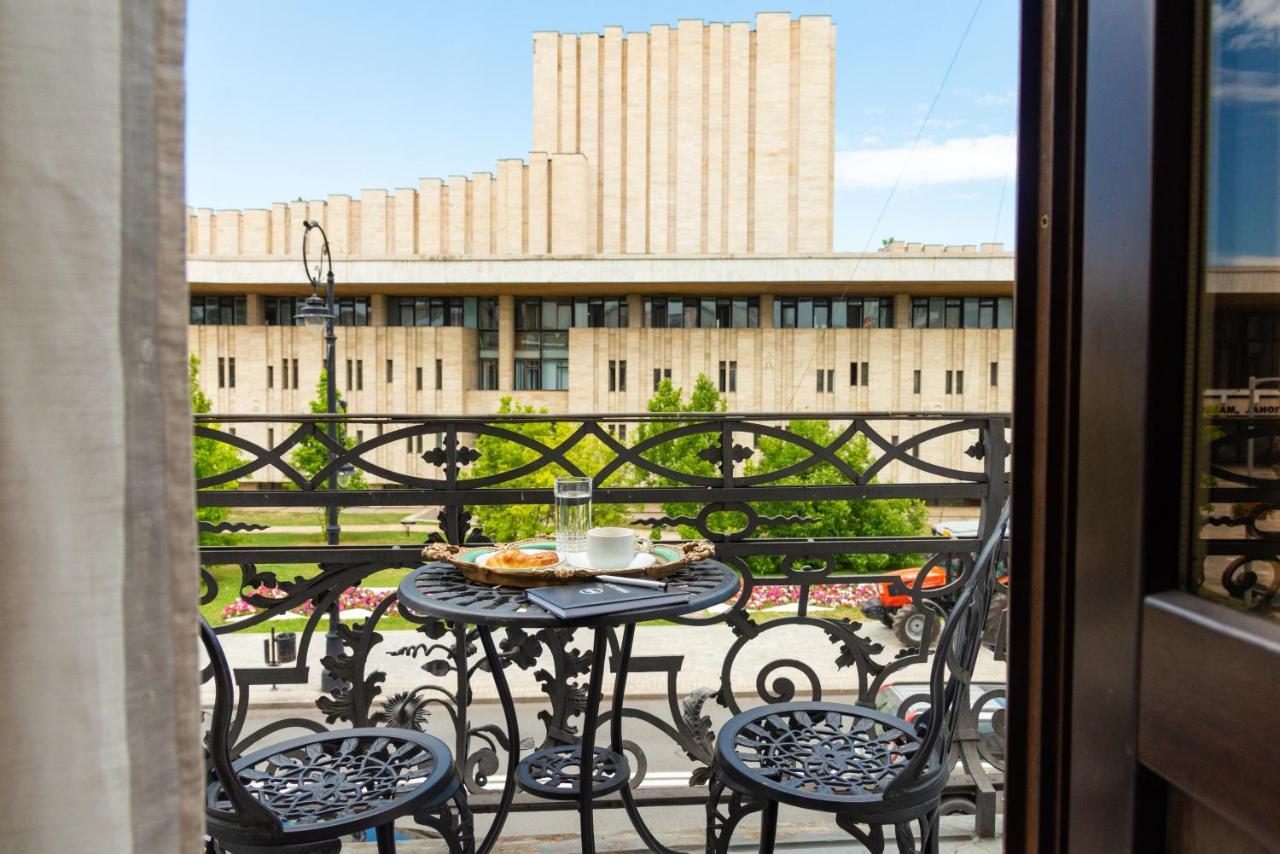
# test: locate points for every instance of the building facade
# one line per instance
(673, 219)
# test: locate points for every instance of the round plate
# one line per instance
(579, 560)
(483, 560)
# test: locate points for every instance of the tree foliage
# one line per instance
(859, 518)
(507, 522)
(885, 517)
(210, 456)
(681, 454)
(311, 455)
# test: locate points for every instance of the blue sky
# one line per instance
(1244, 133)
(289, 99)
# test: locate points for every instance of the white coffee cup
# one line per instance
(611, 548)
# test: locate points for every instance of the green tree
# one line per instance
(311, 455)
(507, 522)
(682, 455)
(210, 456)
(888, 517)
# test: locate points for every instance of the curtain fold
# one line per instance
(99, 723)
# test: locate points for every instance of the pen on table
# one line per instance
(634, 582)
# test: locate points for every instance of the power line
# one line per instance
(898, 180)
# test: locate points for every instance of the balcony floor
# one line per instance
(799, 831)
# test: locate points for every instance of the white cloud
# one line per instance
(947, 162)
(1256, 22)
(1246, 86)
(993, 100)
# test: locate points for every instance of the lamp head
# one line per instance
(314, 312)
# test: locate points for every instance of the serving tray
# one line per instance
(669, 558)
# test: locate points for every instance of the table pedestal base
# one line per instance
(556, 772)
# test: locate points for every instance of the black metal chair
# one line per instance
(872, 770)
(304, 794)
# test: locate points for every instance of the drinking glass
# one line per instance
(573, 513)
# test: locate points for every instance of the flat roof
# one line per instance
(870, 272)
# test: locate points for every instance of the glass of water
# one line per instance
(573, 513)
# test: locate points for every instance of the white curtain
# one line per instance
(99, 746)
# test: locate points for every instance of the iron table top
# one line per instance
(440, 590)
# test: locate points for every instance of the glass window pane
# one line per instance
(707, 313)
(821, 313)
(686, 314)
(1004, 314)
(919, 313)
(987, 313)
(580, 312)
(840, 312)
(937, 312)
(1237, 437)
(197, 311)
(753, 312)
(675, 312)
(953, 314)
(740, 313)
(804, 313)
(788, 314)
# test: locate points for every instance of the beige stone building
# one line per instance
(673, 218)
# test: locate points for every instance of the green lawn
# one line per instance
(228, 579)
(316, 517)
(316, 538)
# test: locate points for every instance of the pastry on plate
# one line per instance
(521, 559)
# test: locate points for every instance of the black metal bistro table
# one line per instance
(440, 590)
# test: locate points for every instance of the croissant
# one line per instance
(520, 559)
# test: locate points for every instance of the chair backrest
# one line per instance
(952, 671)
(245, 809)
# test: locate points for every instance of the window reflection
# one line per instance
(1239, 359)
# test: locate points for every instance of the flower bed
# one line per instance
(820, 596)
(353, 597)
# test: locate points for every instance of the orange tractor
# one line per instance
(896, 610)
(892, 604)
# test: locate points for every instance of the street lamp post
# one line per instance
(316, 312)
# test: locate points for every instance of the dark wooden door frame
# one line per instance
(1046, 303)
(1109, 261)
(1099, 403)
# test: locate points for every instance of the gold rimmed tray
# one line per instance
(668, 558)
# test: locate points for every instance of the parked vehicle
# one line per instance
(896, 610)
(892, 603)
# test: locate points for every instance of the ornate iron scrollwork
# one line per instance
(448, 657)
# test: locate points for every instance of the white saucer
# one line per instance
(579, 560)
(483, 560)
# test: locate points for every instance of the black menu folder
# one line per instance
(597, 598)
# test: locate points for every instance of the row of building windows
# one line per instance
(833, 313)
(702, 312)
(563, 313)
(961, 313)
(468, 312)
(283, 311)
(859, 375)
(218, 311)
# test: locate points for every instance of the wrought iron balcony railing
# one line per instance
(755, 485)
